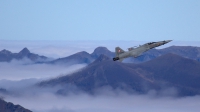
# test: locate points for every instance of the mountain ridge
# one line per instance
(146, 56)
(84, 57)
(7, 56)
(10, 107)
(137, 77)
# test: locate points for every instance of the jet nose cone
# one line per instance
(167, 41)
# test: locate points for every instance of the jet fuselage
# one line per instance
(135, 52)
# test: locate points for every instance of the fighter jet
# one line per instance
(136, 51)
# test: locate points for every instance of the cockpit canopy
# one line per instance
(130, 49)
(151, 43)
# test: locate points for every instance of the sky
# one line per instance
(140, 20)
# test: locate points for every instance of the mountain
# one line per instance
(102, 50)
(179, 72)
(7, 56)
(10, 107)
(185, 51)
(77, 58)
(168, 70)
(84, 57)
(104, 72)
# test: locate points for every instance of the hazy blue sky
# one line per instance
(140, 20)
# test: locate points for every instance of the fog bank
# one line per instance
(24, 69)
(107, 103)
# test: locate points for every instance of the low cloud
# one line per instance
(45, 99)
(48, 102)
(25, 69)
(19, 78)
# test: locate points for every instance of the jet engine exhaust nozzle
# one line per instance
(115, 59)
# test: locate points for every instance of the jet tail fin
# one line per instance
(118, 51)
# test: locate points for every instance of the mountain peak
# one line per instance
(5, 51)
(101, 58)
(102, 50)
(24, 51)
(83, 53)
